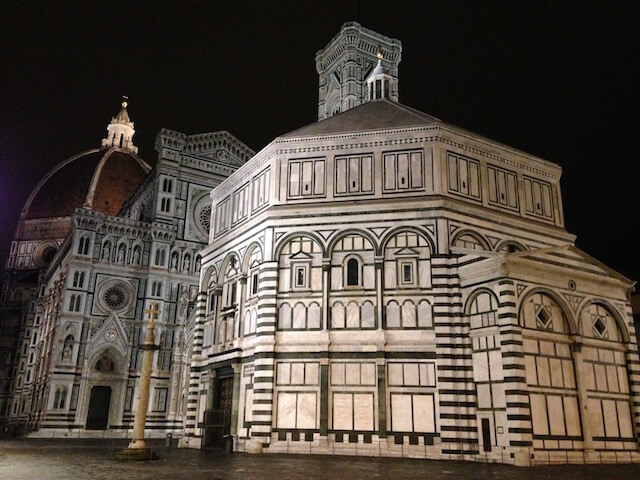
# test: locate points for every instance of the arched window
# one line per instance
(76, 277)
(483, 310)
(353, 272)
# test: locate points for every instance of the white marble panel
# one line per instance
(352, 373)
(283, 373)
(337, 315)
(306, 410)
(624, 419)
(601, 377)
(539, 414)
(368, 315)
(543, 371)
(424, 273)
(572, 416)
(248, 405)
(499, 400)
(555, 365)
(605, 355)
(530, 369)
(495, 363)
(612, 378)
(336, 278)
(286, 410)
(556, 414)
(297, 373)
(342, 411)
(353, 315)
(311, 374)
(408, 314)
(547, 348)
(425, 319)
(480, 367)
(368, 373)
(484, 395)
(390, 275)
(363, 411)
(595, 415)
(622, 379)
(393, 315)
(401, 413)
(395, 373)
(411, 374)
(316, 278)
(299, 316)
(423, 414)
(568, 374)
(337, 374)
(369, 277)
(610, 418)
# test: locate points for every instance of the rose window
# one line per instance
(204, 217)
(115, 297)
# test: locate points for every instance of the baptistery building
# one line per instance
(383, 283)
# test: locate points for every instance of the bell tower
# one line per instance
(346, 63)
(120, 130)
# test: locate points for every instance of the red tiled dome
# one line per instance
(99, 179)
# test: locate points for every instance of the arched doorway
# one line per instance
(100, 397)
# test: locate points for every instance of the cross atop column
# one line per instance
(153, 312)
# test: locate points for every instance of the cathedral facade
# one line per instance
(384, 283)
(100, 238)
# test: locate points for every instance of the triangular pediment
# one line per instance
(571, 258)
(406, 252)
(300, 256)
(110, 334)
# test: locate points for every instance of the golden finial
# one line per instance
(380, 56)
(125, 101)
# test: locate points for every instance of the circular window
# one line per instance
(115, 297)
(204, 218)
(44, 253)
(202, 215)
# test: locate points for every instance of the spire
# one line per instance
(120, 130)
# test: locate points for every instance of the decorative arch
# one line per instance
(505, 245)
(473, 295)
(247, 255)
(394, 231)
(209, 276)
(290, 236)
(482, 308)
(232, 257)
(474, 235)
(622, 328)
(119, 361)
(566, 311)
(353, 231)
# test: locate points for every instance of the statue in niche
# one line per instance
(184, 300)
(174, 261)
(197, 264)
(67, 350)
(105, 364)
(187, 263)
(106, 251)
(121, 254)
(136, 256)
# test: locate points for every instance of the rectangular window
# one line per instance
(222, 216)
(160, 400)
(538, 198)
(306, 178)
(260, 189)
(403, 171)
(254, 284)
(503, 187)
(240, 204)
(300, 276)
(464, 176)
(353, 175)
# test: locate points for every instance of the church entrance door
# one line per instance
(98, 416)
(218, 424)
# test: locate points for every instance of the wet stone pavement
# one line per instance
(70, 460)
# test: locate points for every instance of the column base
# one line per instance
(137, 454)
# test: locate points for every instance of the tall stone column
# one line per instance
(137, 449)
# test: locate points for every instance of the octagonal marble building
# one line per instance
(383, 283)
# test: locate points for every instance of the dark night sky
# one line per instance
(555, 79)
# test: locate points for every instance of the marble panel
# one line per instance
(411, 374)
(283, 373)
(610, 418)
(409, 314)
(286, 410)
(395, 373)
(369, 277)
(306, 410)
(556, 415)
(495, 362)
(352, 375)
(484, 395)
(425, 319)
(312, 372)
(337, 315)
(363, 411)
(424, 273)
(547, 348)
(299, 316)
(480, 367)
(543, 371)
(401, 414)
(353, 315)
(601, 377)
(499, 399)
(572, 416)
(622, 379)
(368, 315)
(605, 355)
(423, 413)
(368, 373)
(530, 370)
(568, 374)
(555, 365)
(612, 379)
(297, 373)
(595, 417)
(337, 374)
(539, 414)
(342, 411)
(313, 316)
